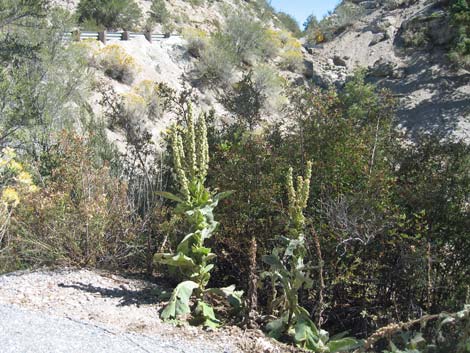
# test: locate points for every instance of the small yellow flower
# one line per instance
(9, 152)
(25, 178)
(33, 188)
(10, 196)
(15, 166)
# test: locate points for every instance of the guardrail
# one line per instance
(105, 36)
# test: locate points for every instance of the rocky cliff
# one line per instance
(404, 46)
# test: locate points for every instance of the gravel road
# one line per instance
(23, 331)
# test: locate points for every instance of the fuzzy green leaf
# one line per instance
(179, 301)
(178, 260)
(170, 196)
(343, 344)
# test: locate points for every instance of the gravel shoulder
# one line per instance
(77, 310)
(25, 331)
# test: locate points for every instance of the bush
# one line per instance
(216, 62)
(245, 37)
(80, 216)
(117, 64)
(267, 81)
(197, 41)
(460, 11)
(15, 184)
(111, 14)
(344, 15)
(158, 12)
(292, 60)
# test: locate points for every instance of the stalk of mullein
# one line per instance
(298, 197)
(202, 148)
(190, 142)
(178, 158)
(190, 152)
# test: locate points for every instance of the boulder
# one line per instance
(382, 68)
(377, 38)
(338, 61)
(308, 69)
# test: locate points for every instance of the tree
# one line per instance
(158, 12)
(110, 14)
(37, 98)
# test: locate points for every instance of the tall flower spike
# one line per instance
(178, 156)
(190, 143)
(306, 184)
(202, 147)
(298, 197)
(290, 186)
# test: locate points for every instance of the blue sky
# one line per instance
(301, 9)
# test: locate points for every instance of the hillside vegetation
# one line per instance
(262, 198)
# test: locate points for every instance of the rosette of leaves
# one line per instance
(289, 272)
(192, 258)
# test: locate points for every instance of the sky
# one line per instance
(301, 9)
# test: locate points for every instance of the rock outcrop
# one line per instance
(403, 44)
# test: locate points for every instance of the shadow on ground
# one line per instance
(148, 295)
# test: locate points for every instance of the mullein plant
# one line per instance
(289, 273)
(192, 258)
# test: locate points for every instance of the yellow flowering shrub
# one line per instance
(14, 180)
(81, 216)
(197, 40)
(292, 60)
(10, 196)
(15, 183)
(117, 64)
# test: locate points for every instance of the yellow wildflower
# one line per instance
(25, 178)
(33, 188)
(9, 152)
(10, 196)
(15, 166)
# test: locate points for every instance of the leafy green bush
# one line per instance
(245, 37)
(216, 62)
(111, 14)
(460, 11)
(158, 12)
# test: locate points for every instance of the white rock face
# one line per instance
(433, 96)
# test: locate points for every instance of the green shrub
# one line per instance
(266, 80)
(245, 37)
(158, 12)
(460, 11)
(111, 14)
(216, 62)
